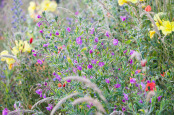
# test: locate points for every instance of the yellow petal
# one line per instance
(122, 2)
(5, 52)
(152, 34)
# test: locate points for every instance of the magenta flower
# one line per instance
(5, 111)
(44, 96)
(68, 29)
(123, 109)
(123, 18)
(90, 51)
(74, 70)
(131, 52)
(107, 80)
(90, 66)
(38, 16)
(57, 33)
(125, 96)
(96, 40)
(130, 61)
(125, 51)
(117, 85)
(123, 101)
(88, 106)
(143, 85)
(159, 98)
(58, 77)
(115, 42)
(39, 91)
(50, 107)
(101, 64)
(79, 40)
(140, 101)
(91, 77)
(79, 68)
(54, 73)
(39, 61)
(132, 80)
(92, 30)
(68, 80)
(46, 45)
(76, 13)
(41, 31)
(95, 47)
(93, 61)
(39, 24)
(107, 34)
(50, 34)
(34, 54)
(112, 53)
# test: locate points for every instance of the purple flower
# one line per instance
(34, 54)
(39, 91)
(131, 52)
(90, 51)
(107, 80)
(54, 73)
(38, 16)
(101, 64)
(92, 30)
(46, 45)
(115, 42)
(93, 61)
(50, 34)
(90, 66)
(39, 24)
(159, 98)
(39, 61)
(79, 40)
(76, 13)
(68, 80)
(153, 81)
(44, 96)
(102, 43)
(75, 61)
(125, 51)
(123, 18)
(45, 83)
(112, 53)
(68, 29)
(58, 77)
(88, 106)
(96, 40)
(91, 77)
(79, 68)
(143, 85)
(5, 111)
(57, 33)
(125, 96)
(50, 107)
(123, 109)
(107, 34)
(118, 68)
(33, 50)
(140, 101)
(117, 85)
(132, 80)
(130, 61)
(74, 70)
(41, 31)
(148, 81)
(95, 47)
(123, 101)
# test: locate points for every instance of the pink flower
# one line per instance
(115, 42)
(68, 29)
(50, 107)
(5, 111)
(132, 80)
(101, 64)
(107, 80)
(107, 34)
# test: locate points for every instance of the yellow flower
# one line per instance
(32, 8)
(14, 51)
(133, 1)
(121, 2)
(27, 47)
(5, 52)
(48, 5)
(167, 27)
(152, 34)
(10, 61)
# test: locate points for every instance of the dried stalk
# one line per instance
(88, 83)
(41, 101)
(17, 111)
(90, 100)
(61, 102)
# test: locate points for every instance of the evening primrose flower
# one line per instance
(133, 1)
(5, 52)
(122, 2)
(48, 5)
(167, 27)
(32, 7)
(151, 33)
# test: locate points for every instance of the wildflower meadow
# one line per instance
(86, 57)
